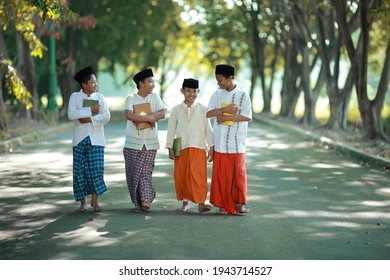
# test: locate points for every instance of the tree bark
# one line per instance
(26, 70)
(377, 103)
(3, 109)
(66, 71)
(370, 111)
(259, 56)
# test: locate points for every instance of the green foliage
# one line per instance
(54, 10)
(225, 36)
(132, 34)
(14, 84)
(21, 15)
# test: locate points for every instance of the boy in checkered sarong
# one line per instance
(141, 142)
(89, 111)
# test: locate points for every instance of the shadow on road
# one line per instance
(306, 203)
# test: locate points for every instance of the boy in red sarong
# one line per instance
(232, 108)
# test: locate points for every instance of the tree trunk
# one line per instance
(379, 100)
(273, 71)
(346, 93)
(3, 109)
(259, 56)
(66, 71)
(371, 121)
(253, 81)
(309, 114)
(286, 93)
(26, 70)
(67, 86)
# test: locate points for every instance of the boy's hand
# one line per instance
(210, 155)
(231, 109)
(95, 109)
(85, 120)
(222, 119)
(152, 119)
(171, 153)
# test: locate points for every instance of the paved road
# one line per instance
(306, 204)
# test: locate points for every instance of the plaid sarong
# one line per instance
(88, 169)
(139, 166)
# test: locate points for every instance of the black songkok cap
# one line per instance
(84, 73)
(190, 83)
(224, 69)
(142, 75)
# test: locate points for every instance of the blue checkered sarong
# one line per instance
(88, 169)
(139, 166)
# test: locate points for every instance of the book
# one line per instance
(89, 103)
(142, 109)
(177, 146)
(228, 123)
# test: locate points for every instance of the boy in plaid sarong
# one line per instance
(89, 111)
(141, 144)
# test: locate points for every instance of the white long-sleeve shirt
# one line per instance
(93, 129)
(231, 139)
(191, 124)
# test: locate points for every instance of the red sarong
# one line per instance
(191, 175)
(229, 181)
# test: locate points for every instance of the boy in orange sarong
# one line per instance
(232, 108)
(188, 121)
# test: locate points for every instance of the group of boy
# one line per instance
(188, 124)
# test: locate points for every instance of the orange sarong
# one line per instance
(191, 175)
(229, 181)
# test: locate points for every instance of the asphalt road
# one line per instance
(306, 203)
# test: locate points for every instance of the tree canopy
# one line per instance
(309, 48)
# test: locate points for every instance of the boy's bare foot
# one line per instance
(96, 207)
(184, 207)
(145, 206)
(94, 203)
(83, 206)
(222, 211)
(241, 208)
(204, 207)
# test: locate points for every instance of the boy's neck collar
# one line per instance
(143, 94)
(231, 87)
(189, 105)
(87, 93)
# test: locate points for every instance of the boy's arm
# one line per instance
(103, 115)
(159, 115)
(235, 118)
(231, 109)
(74, 113)
(171, 130)
(151, 118)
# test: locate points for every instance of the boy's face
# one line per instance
(223, 82)
(147, 84)
(190, 94)
(91, 86)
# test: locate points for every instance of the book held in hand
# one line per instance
(228, 123)
(142, 109)
(177, 146)
(89, 103)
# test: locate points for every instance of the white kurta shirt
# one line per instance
(136, 139)
(231, 139)
(93, 129)
(191, 124)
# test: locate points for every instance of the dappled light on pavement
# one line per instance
(305, 203)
